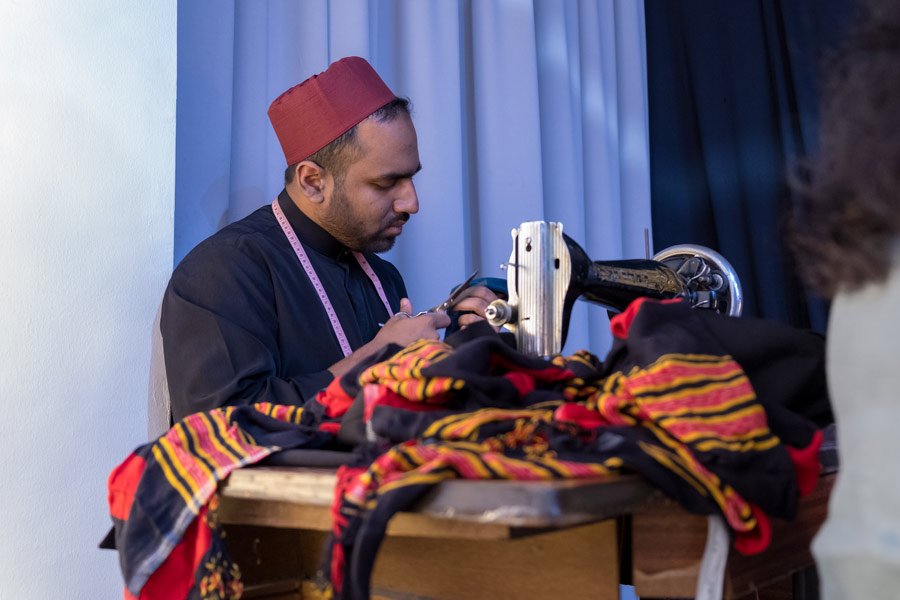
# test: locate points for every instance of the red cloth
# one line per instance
(309, 116)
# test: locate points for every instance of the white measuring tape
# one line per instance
(317, 283)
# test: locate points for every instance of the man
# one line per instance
(273, 307)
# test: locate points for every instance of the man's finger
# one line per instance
(439, 320)
(466, 320)
(475, 299)
(473, 303)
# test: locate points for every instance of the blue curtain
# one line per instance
(525, 110)
(733, 101)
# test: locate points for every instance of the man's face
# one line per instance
(367, 209)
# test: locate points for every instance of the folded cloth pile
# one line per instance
(721, 414)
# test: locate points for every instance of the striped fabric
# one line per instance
(672, 414)
(159, 491)
(669, 402)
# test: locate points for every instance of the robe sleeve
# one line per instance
(220, 336)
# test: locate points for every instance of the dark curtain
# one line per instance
(733, 102)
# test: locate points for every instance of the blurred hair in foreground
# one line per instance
(846, 226)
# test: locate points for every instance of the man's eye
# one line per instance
(385, 185)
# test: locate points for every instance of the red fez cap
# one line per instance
(309, 116)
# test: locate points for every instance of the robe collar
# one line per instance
(311, 234)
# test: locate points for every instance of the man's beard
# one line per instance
(342, 222)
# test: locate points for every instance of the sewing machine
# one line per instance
(548, 271)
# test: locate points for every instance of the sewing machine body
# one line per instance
(548, 272)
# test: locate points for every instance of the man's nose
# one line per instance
(408, 200)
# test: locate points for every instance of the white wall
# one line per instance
(87, 149)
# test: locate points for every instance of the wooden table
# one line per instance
(503, 539)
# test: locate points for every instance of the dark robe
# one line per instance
(242, 323)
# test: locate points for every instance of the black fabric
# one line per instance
(352, 432)
(109, 540)
(242, 323)
(790, 378)
(299, 457)
(785, 365)
(492, 375)
(733, 105)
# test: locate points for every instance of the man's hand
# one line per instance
(404, 330)
(474, 299)
(399, 329)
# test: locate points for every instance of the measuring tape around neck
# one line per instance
(317, 283)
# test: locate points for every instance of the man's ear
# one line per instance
(312, 179)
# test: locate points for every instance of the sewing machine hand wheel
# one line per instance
(710, 280)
